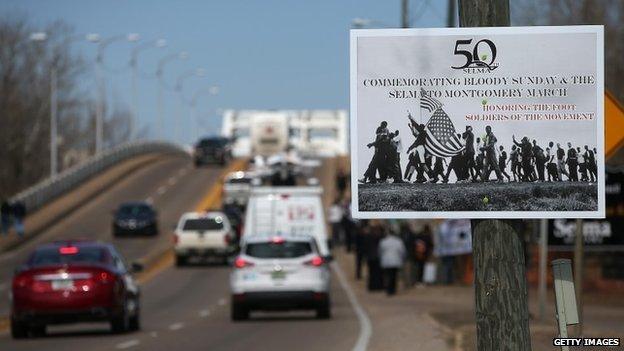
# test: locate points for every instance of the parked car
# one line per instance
(205, 235)
(212, 150)
(135, 218)
(74, 281)
(279, 273)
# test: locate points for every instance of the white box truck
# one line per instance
(288, 210)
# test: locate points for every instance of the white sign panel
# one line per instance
(477, 122)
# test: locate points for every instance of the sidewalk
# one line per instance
(442, 317)
(401, 322)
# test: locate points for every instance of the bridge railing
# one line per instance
(49, 189)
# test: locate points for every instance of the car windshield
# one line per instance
(215, 223)
(212, 142)
(287, 249)
(134, 210)
(55, 255)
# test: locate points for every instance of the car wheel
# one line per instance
(323, 311)
(239, 312)
(38, 330)
(135, 322)
(19, 330)
(120, 324)
(180, 260)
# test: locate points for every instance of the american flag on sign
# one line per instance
(428, 103)
(442, 140)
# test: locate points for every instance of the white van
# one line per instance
(288, 210)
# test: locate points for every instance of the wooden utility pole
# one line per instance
(405, 14)
(450, 13)
(501, 305)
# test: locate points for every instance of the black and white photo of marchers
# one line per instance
(473, 170)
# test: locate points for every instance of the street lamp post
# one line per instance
(40, 37)
(99, 72)
(160, 43)
(159, 74)
(213, 90)
(199, 72)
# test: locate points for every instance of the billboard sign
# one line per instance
(598, 234)
(477, 122)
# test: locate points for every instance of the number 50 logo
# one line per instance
(481, 57)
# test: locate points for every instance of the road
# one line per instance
(182, 308)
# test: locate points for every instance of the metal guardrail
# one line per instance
(49, 189)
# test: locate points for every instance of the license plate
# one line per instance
(65, 284)
(278, 275)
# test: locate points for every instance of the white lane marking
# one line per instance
(172, 180)
(149, 200)
(128, 344)
(222, 302)
(176, 326)
(161, 190)
(204, 313)
(366, 329)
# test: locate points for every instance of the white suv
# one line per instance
(204, 234)
(279, 273)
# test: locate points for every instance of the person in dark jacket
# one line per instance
(590, 160)
(19, 213)
(5, 214)
(362, 230)
(342, 180)
(372, 239)
(572, 162)
(540, 160)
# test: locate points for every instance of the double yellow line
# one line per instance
(210, 201)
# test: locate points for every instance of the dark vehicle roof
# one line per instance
(213, 141)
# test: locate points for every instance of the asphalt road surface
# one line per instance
(171, 183)
(182, 308)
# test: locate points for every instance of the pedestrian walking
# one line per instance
(372, 239)
(423, 246)
(361, 231)
(391, 254)
(582, 164)
(590, 160)
(5, 212)
(540, 160)
(490, 161)
(342, 179)
(572, 162)
(502, 162)
(335, 218)
(561, 163)
(19, 213)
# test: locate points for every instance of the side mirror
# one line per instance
(136, 267)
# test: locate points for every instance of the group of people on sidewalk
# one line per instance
(12, 214)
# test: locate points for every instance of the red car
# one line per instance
(74, 281)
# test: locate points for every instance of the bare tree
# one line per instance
(24, 100)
